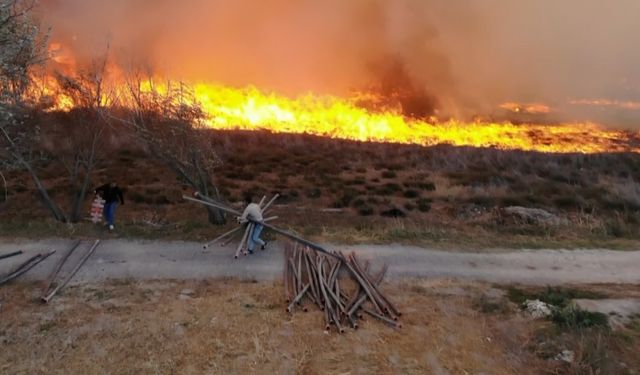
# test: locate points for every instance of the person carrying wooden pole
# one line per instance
(253, 213)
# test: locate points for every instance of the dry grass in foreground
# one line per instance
(229, 326)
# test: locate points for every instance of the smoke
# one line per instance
(465, 57)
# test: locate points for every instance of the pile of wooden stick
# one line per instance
(340, 286)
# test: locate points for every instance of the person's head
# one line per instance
(248, 199)
(112, 184)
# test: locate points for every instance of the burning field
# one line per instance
(424, 74)
(227, 108)
(487, 125)
(385, 120)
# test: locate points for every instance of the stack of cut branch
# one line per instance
(316, 277)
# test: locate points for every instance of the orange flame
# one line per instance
(250, 109)
(531, 108)
(329, 116)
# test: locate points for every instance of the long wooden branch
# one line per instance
(216, 205)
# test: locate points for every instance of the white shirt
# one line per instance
(252, 212)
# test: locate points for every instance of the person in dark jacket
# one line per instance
(111, 194)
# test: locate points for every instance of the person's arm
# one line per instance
(243, 218)
(121, 196)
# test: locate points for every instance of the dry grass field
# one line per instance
(229, 326)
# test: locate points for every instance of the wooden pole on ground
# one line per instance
(72, 274)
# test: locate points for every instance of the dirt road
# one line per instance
(145, 260)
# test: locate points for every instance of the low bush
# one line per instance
(483, 201)
(389, 189)
(393, 212)
(411, 193)
(137, 197)
(428, 186)
(567, 202)
(358, 203)
(389, 174)
(365, 211)
(424, 204)
(573, 317)
(488, 305)
(346, 198)
(313, 193)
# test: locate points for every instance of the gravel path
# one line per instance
(121, 259)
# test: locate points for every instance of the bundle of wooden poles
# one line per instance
(341, 286)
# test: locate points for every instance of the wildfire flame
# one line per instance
(344, 118)
(251, 109)
(531, 108)
(228, 108)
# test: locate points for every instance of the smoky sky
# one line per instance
(471, 55)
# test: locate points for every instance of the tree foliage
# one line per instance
(22, 46)
(169, 121)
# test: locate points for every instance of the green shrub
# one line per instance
(615, 228)
(573, 317)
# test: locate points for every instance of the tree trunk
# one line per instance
(6, 191)
(51, 205)
(216, 216)
(79, 197)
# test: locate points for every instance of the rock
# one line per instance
(537, 309)
(566, 356)
(534, 215)
(187, 292)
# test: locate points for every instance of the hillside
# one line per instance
(352, 191)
